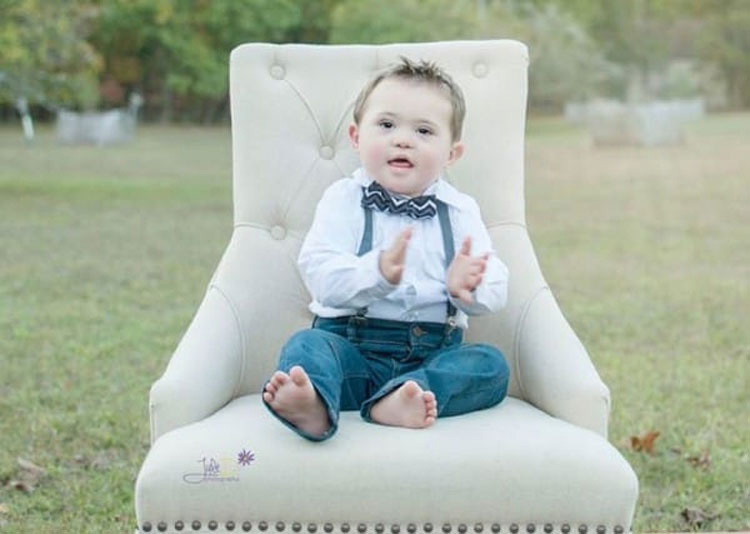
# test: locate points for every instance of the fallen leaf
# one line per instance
(31, 467)
(696, 518)
(644, 443)
(702, 460)
(28, 476)
(20, 485)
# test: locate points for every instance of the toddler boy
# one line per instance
(391, 293)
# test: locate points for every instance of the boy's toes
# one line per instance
(279, 378)
(268, 396)
(298, 375)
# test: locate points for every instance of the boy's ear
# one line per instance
(354, 135)
(457, 150)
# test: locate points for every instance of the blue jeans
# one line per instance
(353, 362)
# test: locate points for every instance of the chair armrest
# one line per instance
(204, 371)
(554, 369)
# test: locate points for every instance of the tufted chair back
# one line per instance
(291, 108)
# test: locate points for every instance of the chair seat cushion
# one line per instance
(508, 465)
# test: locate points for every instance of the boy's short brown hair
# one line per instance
(422, 71)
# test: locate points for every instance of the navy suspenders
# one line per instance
(445, 227)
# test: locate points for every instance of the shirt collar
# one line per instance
(440, 188)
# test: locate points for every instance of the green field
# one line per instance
(105, 254)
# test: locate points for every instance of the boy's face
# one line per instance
(404, 137)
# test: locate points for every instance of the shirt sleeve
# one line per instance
(492, 294)
(333, 273)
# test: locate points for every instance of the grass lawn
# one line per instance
(105, 254)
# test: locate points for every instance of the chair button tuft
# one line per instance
(495, 528)
(480, 69)
(548, 528)
(361, 528)
(514, 528)
(428, 527)
(296, 526)
(213, 525)
(263, 526)
(247, 526)
(447, 527)
(326, 152)
(328, 527)
(601, 529)
(146, 527)
(379, 528)
(411, 528)
(179, 525)
(345, 527)
(280, 526)
(230, 526)
(278, 72)
(162, 526)
(478, 527)
(312, 527)
(565, 528)
(462, 528)
(196, 525)
(278, 232)
(530, 528)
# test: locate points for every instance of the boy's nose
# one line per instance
(402, 141)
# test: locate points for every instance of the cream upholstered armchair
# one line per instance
(219, 462)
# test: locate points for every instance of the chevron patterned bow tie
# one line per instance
(375, 197)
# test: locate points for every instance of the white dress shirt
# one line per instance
(341, 282)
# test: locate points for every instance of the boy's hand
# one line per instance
(465, 273)
(392, 260)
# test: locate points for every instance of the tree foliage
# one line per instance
(45, 55)
(87, 53)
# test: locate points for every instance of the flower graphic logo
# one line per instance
(245, 457)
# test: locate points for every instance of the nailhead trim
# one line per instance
(380, 528)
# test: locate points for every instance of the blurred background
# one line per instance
(93, 54)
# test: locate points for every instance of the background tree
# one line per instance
(44, 53)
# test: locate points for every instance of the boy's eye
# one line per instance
(386, 124)
(424, 131)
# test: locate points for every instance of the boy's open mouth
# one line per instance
(401, 163)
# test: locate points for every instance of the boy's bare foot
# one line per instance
(293, 397)
(409, 406)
